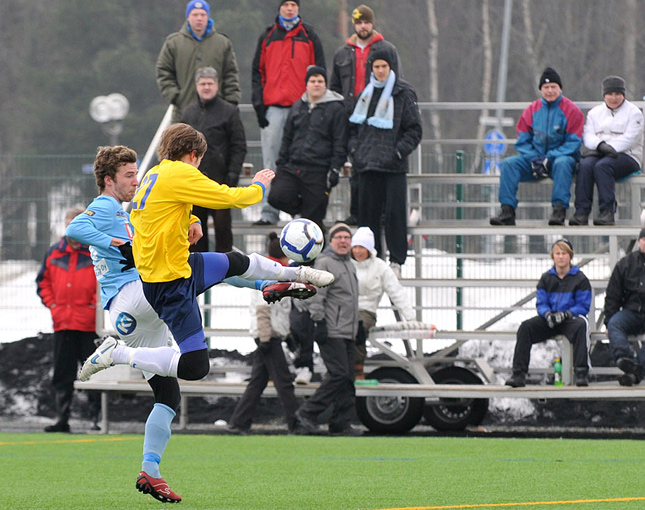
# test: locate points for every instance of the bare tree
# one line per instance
(433, 57)
(631, 41)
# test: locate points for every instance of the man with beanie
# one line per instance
(196, 45)
(624, 313)
(283, 53)
(221, 125)
(385, 127)
(549, 134)
(314, 148)
(613, 139)
(334, 311)
(351, 73)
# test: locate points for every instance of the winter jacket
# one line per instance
(343, 75)
(626, 287)
(621, 128)
(337, 304)
(550, 129)
(280, 64)
(374, 278)
(222, 127)
(387, 150)
(555, 294)
(67, 286)
(181, 56)
(315, 135)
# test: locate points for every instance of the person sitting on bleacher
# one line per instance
(625, 313)
(613, 137)
(549, 134)
(563, 300)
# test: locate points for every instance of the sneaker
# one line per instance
(306, 274)
(396, 268)
(100, 360)
(58, 427)
(627, 380)
(306, 423)
(157, 488)
(629, 366)
(303, 375)
(237, 431)
(582, 378)
(276, 291)
(558, 215)
(506, 217)
(517, 380)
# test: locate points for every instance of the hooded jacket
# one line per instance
(315, 135)
(626, 287)
(181, 56)
(555, 294)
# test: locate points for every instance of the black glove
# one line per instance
(558, 317)
(332, 178)
(540, 168)
(320, 332)
(263, 347)
(568, 315)
(232, 179)
(261, 113)
(126, 251)
(550, 319)
(607, 150)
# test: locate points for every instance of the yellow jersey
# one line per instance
(161, 215)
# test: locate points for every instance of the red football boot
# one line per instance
(157, 488)
(277, 291)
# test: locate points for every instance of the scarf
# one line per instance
(383, 117)
(288, 23)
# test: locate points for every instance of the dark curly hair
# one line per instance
(108, 160)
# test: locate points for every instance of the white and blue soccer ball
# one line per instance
(302, 240)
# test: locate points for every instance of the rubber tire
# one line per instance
(449, 415)
(390, 415)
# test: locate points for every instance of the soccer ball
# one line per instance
(301, 240)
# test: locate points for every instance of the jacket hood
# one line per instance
(329, 97)
(352, 40)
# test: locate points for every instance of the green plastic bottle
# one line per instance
(557, 369)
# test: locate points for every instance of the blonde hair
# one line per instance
(564, 245)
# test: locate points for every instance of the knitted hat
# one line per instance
(549, 76)
(565, 241)
(364, 237)
(198, 4)
(362, 13)
(613, 84)
(380, 54)
(339, 227)
(311, 70)
(642, 234)
(283, 1)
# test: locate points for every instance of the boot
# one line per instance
(606, 218)
(581, 376)
(517, 380)
(506, 217)
(558, 215)
(579, 220)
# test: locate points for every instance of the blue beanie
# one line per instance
(198, 4)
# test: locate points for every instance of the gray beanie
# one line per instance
(613, 84)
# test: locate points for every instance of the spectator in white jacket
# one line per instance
(613, 137)
(375, 277)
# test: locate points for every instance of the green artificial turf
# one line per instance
(56, 471)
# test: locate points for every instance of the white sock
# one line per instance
(262, 268)
(161, 361)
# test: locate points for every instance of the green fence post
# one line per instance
(460, 164)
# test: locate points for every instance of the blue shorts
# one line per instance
(176, 302)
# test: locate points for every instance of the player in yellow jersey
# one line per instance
(172, 277)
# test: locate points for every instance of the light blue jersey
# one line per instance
(103, 220)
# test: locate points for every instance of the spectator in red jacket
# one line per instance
(284, 51)
(67, 286)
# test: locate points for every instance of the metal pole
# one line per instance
(503, 58)
(460, 164)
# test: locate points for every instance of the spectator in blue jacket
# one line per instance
(549, 134)
(563, 299)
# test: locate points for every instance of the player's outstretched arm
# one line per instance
(264, 177)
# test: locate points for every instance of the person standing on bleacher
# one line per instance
(549, 134)
(613, 139)
(563, 299)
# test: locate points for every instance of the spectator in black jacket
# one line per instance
(351, 73)
(314, 148)
(384, 129)
(220, 123)
(625, 313)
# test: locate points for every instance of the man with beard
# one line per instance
(351, 72)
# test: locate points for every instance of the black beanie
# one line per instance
(381, 54)
(283, 1)
(311, 70)
(613, 84)
(549, 76)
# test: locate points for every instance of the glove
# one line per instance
(320, 332)
(126, 251)
(558, 317)
(607, 150)
(568, 315)
(361, 334)
(540, 168)
(550, 319)
(261, 113)
(332, 178)
(233, 179)
(263, 347)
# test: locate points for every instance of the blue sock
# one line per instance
(156, 438)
